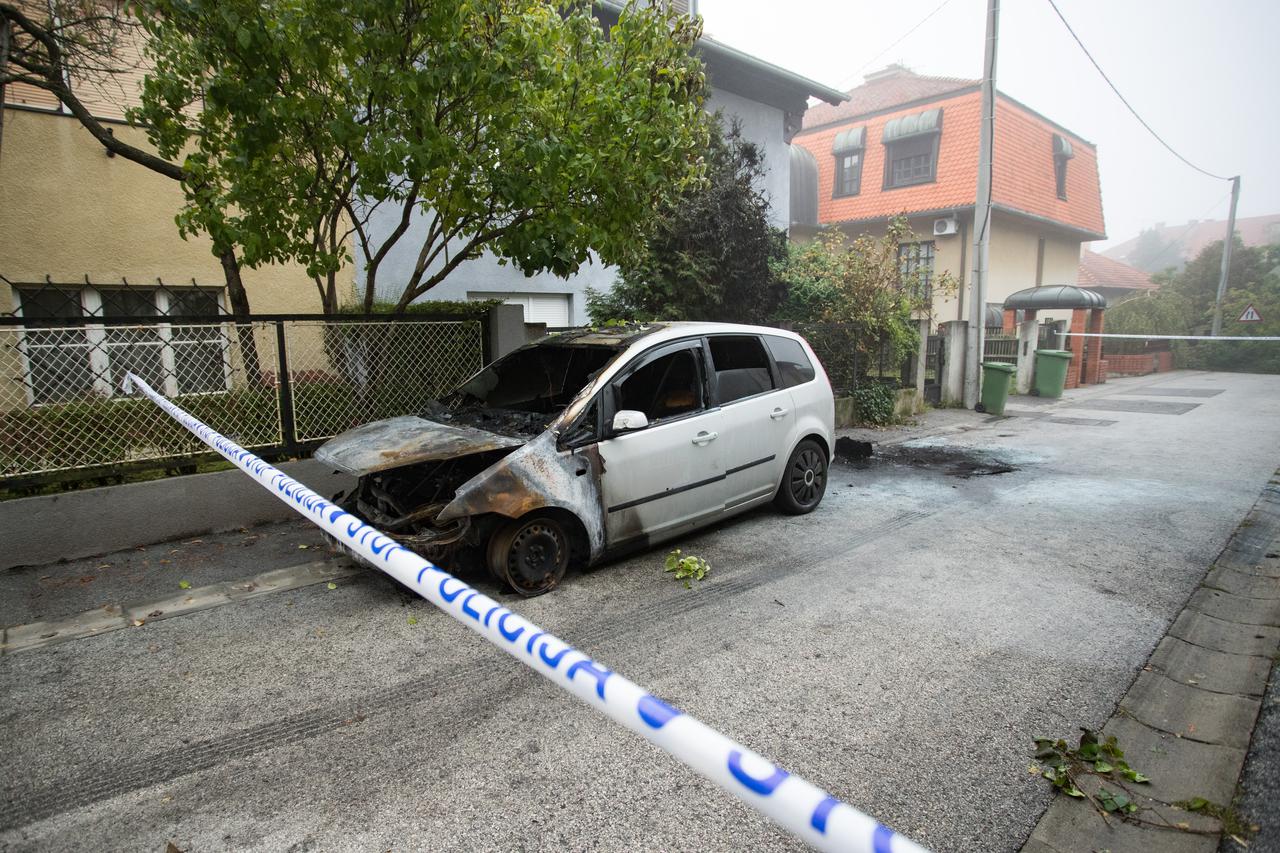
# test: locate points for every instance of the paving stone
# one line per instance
(1212, 670)
(1243, 583)
(1180, 768)
(191, 601)
(1236, 608)
(1204, 630)
(1072, 825)
(1268, 567)
(1191, 712)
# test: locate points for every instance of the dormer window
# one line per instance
(911, 149)
(1062, 152)
(848, 149)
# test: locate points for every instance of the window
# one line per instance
(71, 362)
(915, 266)
(911, 149)
(1062, 152)
(794, 366)
(666, 387)
(847, 148)
(848, 173)
(741, 365)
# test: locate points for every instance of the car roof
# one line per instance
(624, 336)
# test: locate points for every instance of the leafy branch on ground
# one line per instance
(686, 567)
(1067, 766)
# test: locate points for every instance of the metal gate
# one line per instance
(934, 355)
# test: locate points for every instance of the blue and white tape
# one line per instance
(803, 809)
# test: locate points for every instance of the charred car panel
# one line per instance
(406, 440)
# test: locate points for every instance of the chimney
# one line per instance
(893, 70)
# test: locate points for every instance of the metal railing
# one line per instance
(279, 384)
(1001, 348)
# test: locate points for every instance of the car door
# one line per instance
(757, 413)
(666, 476)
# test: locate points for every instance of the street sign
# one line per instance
(1250, 315)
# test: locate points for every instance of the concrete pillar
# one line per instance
(954, 346)
(506, 329)
(1028, 340)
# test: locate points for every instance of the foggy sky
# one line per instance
(1203, 74)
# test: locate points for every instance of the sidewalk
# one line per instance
(1188, 718)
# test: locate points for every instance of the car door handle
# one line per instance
(778, 413)
(705, 437)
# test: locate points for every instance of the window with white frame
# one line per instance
(915, 265)
(74, 361)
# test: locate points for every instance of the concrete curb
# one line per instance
(87, 523)
(1187, 719)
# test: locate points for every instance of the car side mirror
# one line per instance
(629, 419)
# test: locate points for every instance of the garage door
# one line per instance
(549, 308)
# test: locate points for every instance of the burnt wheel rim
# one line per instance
(536, 557)
(807, 477)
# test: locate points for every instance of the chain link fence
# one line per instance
(275, 384)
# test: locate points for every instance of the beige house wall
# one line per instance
(67, 211)
(1014, 249)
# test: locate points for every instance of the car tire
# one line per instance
(804, 479)
(530, 554)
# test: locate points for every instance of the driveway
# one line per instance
(953, 597)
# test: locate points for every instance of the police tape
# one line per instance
(798, 806)
(1170, 337)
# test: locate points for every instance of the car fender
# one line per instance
(538, 476)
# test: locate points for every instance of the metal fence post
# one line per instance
(288, 428)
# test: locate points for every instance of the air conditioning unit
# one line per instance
(945, 227)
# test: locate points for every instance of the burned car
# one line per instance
(589, 443)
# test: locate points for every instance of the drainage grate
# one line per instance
(1079, 421)
(1156, 391)
(1145, 407)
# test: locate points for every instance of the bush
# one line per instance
(874, 404)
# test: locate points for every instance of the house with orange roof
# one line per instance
(1115, 280)
(907, 144)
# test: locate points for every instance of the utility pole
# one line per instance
(982, 216)
(1226, 255)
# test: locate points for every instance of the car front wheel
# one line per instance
(531, 554)
(804, 480)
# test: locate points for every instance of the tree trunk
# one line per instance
(243, 319)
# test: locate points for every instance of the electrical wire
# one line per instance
(1125, 101)
(900, 40)
(1174, 243)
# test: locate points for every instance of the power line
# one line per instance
(1123, 100)
(900, 40)
(1174, 243)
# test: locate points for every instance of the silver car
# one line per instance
(590, 443)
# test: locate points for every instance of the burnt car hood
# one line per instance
(406, 440)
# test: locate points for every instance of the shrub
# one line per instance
(874, 404)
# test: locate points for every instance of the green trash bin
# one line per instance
(995, 386)
(1051, 372)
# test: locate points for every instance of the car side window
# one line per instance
(741, 367)
(793, 364)
(666, 387)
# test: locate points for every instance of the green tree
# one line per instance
(709, 253)
(516, 126)
(1184, 306)
(1153, 253)
(860, 295)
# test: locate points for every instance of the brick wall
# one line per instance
(1139, 365)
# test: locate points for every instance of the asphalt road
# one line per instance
(900, 647)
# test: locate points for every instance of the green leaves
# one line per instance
(1062, 765)
(516, 126)
(686, 567)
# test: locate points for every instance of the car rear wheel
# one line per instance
(531, 554)
(804, 480)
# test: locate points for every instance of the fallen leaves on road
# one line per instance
(413, 620)
(184, 584)
(332, 585)
(303, 547)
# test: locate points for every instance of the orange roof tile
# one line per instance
(1023, 176)
(1100, 271)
